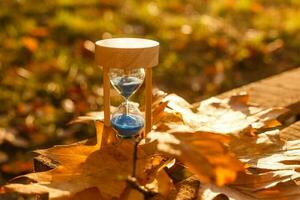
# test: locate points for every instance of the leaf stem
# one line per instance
(131, 180)
(135, 152)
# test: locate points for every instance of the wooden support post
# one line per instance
(148, 101)
(106, 96)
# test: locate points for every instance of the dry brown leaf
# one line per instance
(272, 162)
(213, 192)
(82, 167)
(273, 168)
(157, 97)
(164, 183)
(204, 153)
(226, 116)
(268, 152)
(282, 191)
(205, 136)
(233, 116)
(247, 146)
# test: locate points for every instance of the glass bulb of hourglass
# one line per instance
(127, 81)
(127, 120)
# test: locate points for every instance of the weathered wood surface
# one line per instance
(282, 90)
(187, 189)
(291, 132)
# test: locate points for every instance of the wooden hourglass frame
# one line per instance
(127, 53)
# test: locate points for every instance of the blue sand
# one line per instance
(127, 125)
(127, 85)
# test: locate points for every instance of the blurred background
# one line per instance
(48, 75)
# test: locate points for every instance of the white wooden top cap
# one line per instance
(127, 53)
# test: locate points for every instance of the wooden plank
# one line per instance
(291, 132)
(187, 189)
(282, 90)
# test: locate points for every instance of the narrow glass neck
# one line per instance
(126, 106)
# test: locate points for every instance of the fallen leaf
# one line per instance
(204, 153)
(225, 116)
(282, 191)
(83, 166)
(272, 173)
(215, 139)
(30, 43)
(213, 192)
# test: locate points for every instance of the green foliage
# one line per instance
(48, 75)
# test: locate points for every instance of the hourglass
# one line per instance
(127, 119)
(126, 62)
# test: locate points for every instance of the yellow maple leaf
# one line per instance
(82, 167)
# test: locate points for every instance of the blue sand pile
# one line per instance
(127, 126)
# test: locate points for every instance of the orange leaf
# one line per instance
(204, 153)
(30, 43)
(82, 166)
